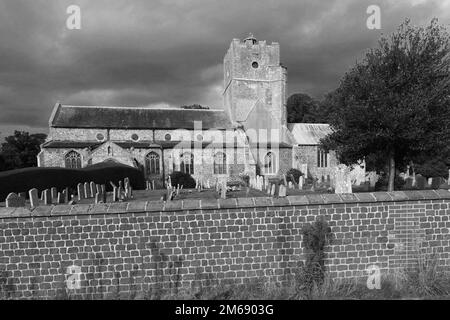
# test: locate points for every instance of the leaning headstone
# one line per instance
(282, 191)
(54, 192)
(80, 191)
(34, 199)
(14, 201)
(47, 197)
(42, 196)
(98, 197)
(86, 190)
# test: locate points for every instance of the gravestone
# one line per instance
(22, 195)
(114, 194)
(54, 192)
(285, 180)
(47, 197)
(14, 201)
(60, 199)
(92, 190)
(408, 183)
(66, 195)
(290, 185)
(80, 191)
(272, 190)
(98, 198)
(223, 191)
(421, 182)
(436, 182)
(86, 190)
(301, 181)
(34, 199)
(282, 191)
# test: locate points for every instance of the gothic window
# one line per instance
(152, 163)
(269, 163)
(73, 160)
(220, 163)
(322, 158)
(187, 163)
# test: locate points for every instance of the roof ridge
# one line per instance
(137, 107)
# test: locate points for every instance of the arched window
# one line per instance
(187, 163)
(269, 163)
(152, 163)
(73, 160)
(220, 163)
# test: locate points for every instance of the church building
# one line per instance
(248, 135)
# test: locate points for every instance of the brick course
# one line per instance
(149, 245)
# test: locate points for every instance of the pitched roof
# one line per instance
(309, 133)
(66, 116)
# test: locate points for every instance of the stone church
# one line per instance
(248, 135)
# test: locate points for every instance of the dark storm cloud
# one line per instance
(170, 52)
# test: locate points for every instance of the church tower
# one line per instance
(255, 85)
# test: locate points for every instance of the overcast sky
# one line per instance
(146, 52)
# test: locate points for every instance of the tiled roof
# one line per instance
(309, 133)
(71, 144)
(66, 116)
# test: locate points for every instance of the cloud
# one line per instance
(170, 52)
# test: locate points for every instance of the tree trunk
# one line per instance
(391, 170)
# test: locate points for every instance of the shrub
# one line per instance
(432, 168)
(182, 179)
(311, 274)
(293, 173)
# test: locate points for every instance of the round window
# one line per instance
(100, 137)
(255, 64)
(134, 137)
(199, 137)
(168, 137)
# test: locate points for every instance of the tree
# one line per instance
(394, 106)
(300, 108)
(20, 150)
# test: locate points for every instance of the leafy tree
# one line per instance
(20, 150)
(300, 108)
(394, 106)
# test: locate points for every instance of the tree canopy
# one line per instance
(394, 106)
(20, 150)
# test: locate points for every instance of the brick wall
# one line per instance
(145, 246)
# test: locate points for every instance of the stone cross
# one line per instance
(14, 201)
(80, 191)
(34, 199)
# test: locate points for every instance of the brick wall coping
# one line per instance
(208, 204)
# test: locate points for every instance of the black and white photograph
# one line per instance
(225, 156)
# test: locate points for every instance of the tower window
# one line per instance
(322, 158)
(168, 137)
(134, 137)
(73, 160)
(255, 65)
